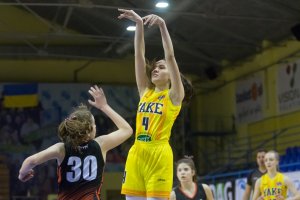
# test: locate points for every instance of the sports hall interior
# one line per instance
(242, 57)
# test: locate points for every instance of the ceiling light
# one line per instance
(162, 4)
(130, 28)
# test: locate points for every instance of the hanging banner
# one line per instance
(240, 187)
(288, 87)
(223, 190)
(249, 98)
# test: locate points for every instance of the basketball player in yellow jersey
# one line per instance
(149, 166)
(274, 185)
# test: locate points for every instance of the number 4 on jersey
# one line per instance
(145, 123)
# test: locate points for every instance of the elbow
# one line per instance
(30, 162)
(128, 130)
(181, 95)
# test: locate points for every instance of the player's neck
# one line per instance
(272, 173)
(262, 169)
(188, 186)
(159, 88)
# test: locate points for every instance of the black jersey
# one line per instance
(199, 194)
(253, 176)
(80, 173)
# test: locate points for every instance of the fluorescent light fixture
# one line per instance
(130, 28)
(162, 4)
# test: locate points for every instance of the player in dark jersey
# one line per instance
(80, 156)
(255, 174)
(188, 188)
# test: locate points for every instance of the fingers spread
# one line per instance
(97, 88)
(91, 102)
(91, 92)
(101, 91)
(93, 89)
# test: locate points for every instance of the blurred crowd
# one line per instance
(22, 134)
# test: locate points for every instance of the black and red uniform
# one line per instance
(80, 173)
(198, 195)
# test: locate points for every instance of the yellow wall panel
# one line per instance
(119, 71)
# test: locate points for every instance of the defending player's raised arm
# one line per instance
(115, 138)
(139, 49)
(177, 89)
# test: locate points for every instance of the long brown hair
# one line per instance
(76, 127)
(187, 84)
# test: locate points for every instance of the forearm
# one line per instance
(139, 43)
(166, 40)
(247, 192)
(245, 197)
(140, 63)
(115, 117)
(27, 165)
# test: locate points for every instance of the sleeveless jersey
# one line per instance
(253, 177)
(199, 194)
(270, 187)
(80, 173)
(155, 116)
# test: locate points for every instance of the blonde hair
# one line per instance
(277, 157)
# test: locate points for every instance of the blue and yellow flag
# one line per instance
(20, 95)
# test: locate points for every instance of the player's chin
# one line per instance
(154, 79)
(183, 180)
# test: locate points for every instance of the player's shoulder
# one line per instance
(286, 178)
(255, 171)
(251, 172)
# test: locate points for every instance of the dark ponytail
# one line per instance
(188, 89)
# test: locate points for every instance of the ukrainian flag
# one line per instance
(20, 95)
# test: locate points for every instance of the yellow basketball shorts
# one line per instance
(149, 170)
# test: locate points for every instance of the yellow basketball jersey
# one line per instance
(155, 116)
(270, 187)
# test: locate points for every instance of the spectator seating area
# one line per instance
(290, 161)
